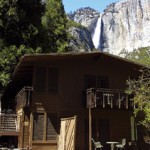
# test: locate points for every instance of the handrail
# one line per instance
(105, 89)
(25, 88)
(113, 97)
(9, 122)
(23, 96)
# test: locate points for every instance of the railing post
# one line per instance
(90, 129)
(0, 121)
(23, 98)
(8, 122)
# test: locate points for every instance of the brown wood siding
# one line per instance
(44, 146)
(119, 122)
(71, 83)
(69, 99)
(52, 80)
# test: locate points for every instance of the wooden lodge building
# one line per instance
(47, 89)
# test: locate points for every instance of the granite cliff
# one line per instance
(121, 28)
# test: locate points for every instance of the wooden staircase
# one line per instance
(9, 124)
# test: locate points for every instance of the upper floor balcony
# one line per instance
(109, 98)
(9, 124)
(23, 98)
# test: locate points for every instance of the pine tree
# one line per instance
(29, 26)
(55, 23)
(20, 33)
(20, 22)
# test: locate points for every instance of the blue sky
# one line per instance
(99, 5)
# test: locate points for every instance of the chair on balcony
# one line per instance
(147, 139)
(97, 144)
(121, 145)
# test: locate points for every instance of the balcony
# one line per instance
(23, 98)
(9, 124)
(109, 98)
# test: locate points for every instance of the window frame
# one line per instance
(98, 81)
(54, 88)
(44, 127)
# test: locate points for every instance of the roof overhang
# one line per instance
(24, 68)
(27, 62)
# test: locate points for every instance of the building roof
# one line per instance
(27, 61)
(24, 69)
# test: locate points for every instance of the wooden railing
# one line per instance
(9, 123)
(109, 98)
(23, 98)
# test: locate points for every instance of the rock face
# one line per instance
(124, 26)
(86, 17)
(81, 40)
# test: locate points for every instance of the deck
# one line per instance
(9, 124)
(109, 98)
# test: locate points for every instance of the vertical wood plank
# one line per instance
(45, 121)
(90, 129)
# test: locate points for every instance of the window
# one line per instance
(92, 81)
(38, 126)
(53, 80)
(44, 126)
(103, 130)
(40, 79)
(46, 80)
(102, 82)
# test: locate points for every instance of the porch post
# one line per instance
(0, 107)
(1, 92)
(91, 103)
(90, 129)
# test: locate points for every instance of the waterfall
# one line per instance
(97, 32)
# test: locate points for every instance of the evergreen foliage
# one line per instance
(140, 88)
(55, 23)
(29, 26)
(20, 22)
(71, 23)
(142, 55)
(9, 57)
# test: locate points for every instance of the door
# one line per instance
(103, 130)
